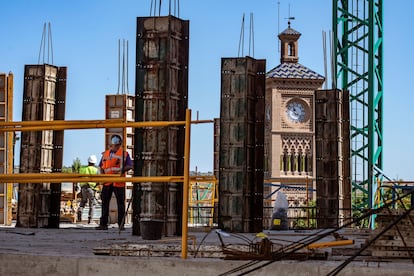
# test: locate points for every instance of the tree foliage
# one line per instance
(76, 165)
(66, 169)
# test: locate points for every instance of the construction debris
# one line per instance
(398, 241)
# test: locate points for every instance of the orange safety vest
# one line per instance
(112, 165)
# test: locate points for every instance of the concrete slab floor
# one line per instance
(70, 251)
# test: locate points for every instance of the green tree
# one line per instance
(359, 209)
(302, 222)
(66, 169)
(76, 165)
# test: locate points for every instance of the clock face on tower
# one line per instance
(296, 111)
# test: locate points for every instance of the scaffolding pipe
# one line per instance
(184, 240)
(74, 177)
(61, 177)
(86, 124)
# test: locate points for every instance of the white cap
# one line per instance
(92, 159)
(116, 139)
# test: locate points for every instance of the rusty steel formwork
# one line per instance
(216, 163)
(120, 106)
(161, 95)
(333, 184)
(241, 144)
(6, 147)
(44, 96)
(216, 147)
(58, 140)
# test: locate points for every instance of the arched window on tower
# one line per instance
(291, 49)
(300, 161)
(308, 163)
(304, 163)
(284, 162)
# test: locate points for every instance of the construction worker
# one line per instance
(114, 161)
(88, 188)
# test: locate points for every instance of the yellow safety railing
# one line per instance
(89, 124)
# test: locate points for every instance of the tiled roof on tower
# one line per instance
(293, 71)
(290, 31)
(289, 67)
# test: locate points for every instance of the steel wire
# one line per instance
(292, 248)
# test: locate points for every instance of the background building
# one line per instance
(290, 122)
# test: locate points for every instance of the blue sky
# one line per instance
(85, 38)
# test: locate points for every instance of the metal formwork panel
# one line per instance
(327, 142)
(241, 144)
(37, 147)
(259, 134)
(121, 106)
(345, 201)
(58, 141)
(3, 150)
(216, 146)
(161, 95)
(216, 162)
(331, 159)
(6, 151)
(38, 104)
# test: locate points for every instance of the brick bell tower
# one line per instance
(289, 123)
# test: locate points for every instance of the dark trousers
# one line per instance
(106, 195)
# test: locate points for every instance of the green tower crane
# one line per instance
(358, 45)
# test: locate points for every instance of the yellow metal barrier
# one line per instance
(87, 124)
(69, 177)
(90, 124)
(186, 184)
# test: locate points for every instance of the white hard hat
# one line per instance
(92, 159)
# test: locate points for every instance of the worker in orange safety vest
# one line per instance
(114, 161)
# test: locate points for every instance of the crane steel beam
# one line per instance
(358, 45)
